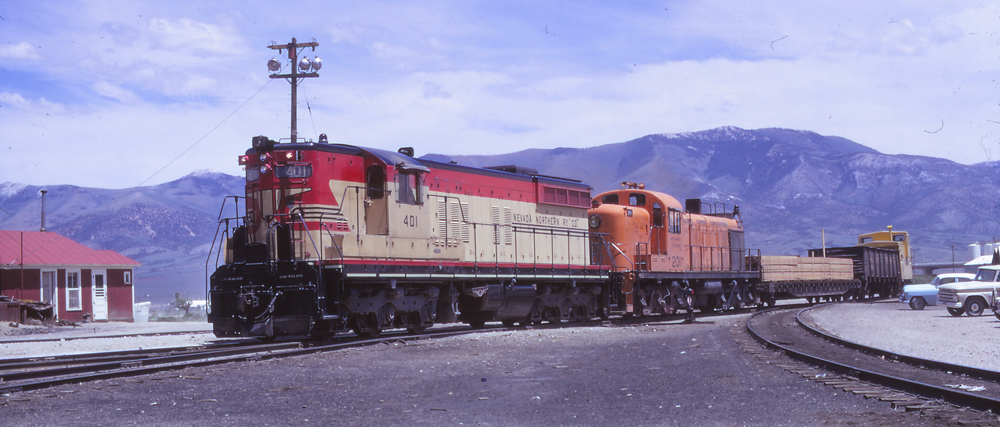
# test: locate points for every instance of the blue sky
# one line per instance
(116, 94)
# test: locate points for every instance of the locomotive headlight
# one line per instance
(290, 155)
(594, 221)
(244, 160)
(264, 157)
(264, 169)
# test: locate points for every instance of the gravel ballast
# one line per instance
(930, 333)
(664, 373)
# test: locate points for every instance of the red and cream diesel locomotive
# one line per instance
(337, 238)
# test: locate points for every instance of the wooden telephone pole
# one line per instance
(293, 56)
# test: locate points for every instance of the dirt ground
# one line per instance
(656, 375)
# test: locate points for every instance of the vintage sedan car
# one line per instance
(924, 294)
(973, 297)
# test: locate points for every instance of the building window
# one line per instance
(128, 277)
(73, 294)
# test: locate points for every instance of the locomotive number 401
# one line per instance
(410, 220)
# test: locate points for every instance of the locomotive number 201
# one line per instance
(410, 220)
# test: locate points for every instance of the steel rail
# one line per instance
(145, 334)
(931, 391)
(132, 364)
(79, 358)
(971, 371)
(101, 371)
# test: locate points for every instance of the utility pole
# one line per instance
(306, 65)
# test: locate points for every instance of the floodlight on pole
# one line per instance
(306, 65)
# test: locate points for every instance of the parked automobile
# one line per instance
(973, 297)
(924, 294)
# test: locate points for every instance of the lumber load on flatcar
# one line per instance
(784, 268)
(813, 278)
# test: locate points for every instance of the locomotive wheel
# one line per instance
(370, 333)
(917, 303)
(509, 323)
(416, 329)
(537, 313)
(956, 311)
(565, 311)
(477, 324)
(366, 326)
(603, 312)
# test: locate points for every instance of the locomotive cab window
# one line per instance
(637, 199)
(674, 221)
(899, 238)
(408, 188)
(657, 215)
(864, 239)
(610, 199)
(375, 180)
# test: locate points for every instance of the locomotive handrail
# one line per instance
(236, 201)
(218, 227)
(323, 225)
(272, 227)
(623, 254)
(601, 243)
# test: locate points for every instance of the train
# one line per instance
(333, 238)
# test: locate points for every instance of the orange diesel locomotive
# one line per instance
(670, 256)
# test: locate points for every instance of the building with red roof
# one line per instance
(79, 283)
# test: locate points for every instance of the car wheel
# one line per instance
(956, 311)
(974, 306)
(917, 303)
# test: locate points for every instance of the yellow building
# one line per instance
(892, 240)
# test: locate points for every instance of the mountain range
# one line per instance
(791, 186)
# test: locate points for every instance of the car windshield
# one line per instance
(985, 275)
(936, 281)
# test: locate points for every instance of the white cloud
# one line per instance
(41, 106)
(20, 51)
(115, 92)
(190, 35)
(472, 78)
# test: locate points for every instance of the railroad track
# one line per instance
(35, 373)
(934, 388)
(146, 334)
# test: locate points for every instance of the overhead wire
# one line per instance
(136, 188)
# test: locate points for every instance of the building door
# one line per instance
(100, 292)
(48, 295)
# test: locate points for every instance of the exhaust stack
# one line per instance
(43, 209)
